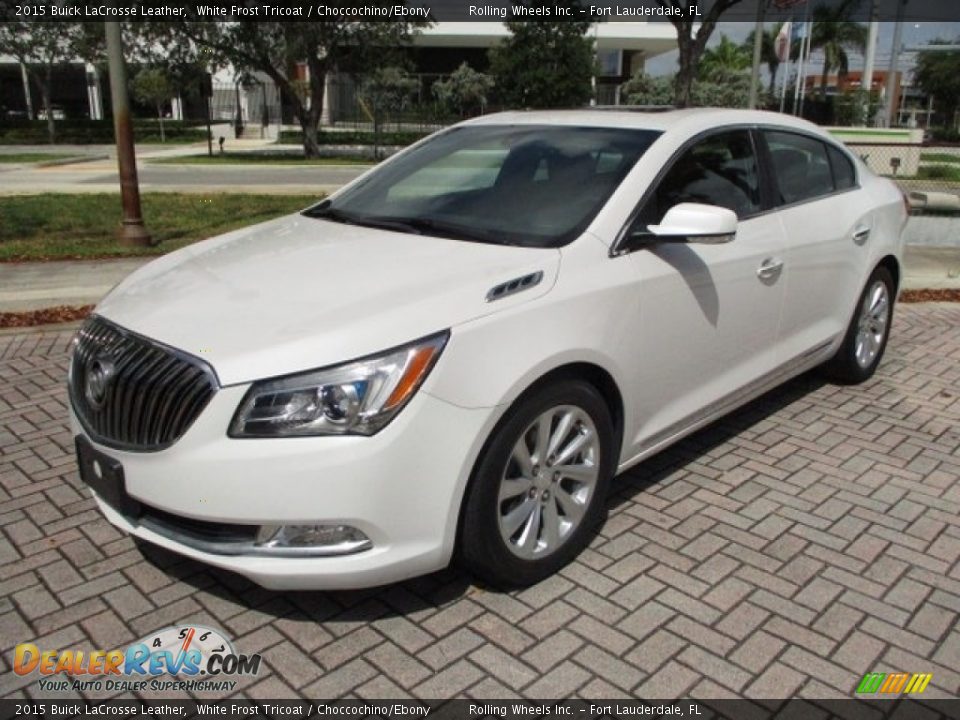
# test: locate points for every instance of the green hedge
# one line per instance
(82, 132)
(938, 172)
(945, 134)
(354, 137)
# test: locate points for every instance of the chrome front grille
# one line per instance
(132, 393)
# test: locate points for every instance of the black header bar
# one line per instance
(454, 10)
(386, 709)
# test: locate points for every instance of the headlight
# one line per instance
(358, 398)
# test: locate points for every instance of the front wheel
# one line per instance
(866, 338)
(540, 486)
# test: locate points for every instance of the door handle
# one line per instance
(769, 268)
(861, 235)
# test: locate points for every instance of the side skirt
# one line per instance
(717, 409)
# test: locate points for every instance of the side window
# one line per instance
(719, 170)
(800, 166)
(844, 176)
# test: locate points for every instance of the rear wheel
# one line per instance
(866, 338)
(540, 487)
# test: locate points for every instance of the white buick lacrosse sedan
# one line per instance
(455, 354)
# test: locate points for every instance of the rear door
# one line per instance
(827, 227)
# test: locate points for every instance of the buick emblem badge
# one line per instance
(100, 372)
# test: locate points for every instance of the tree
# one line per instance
(643, 89)
(692, 37)
(385, 91)
(41, 47)
(725, 90)
(731, 91)
(186, 66)
(465, 89)
(544, 64)
(937, 73)
(834, 33)
(277, 48)
(723, 59)
(768, 51)
(151, 86)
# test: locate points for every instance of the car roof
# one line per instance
(687, 121)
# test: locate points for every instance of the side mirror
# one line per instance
(696, 223)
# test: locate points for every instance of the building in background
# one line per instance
(252, 102)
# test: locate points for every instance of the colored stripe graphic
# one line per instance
(871, 683)
(918, 683)
(894, 683)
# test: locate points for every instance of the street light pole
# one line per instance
(866, 78)
(132, 231)
(758, 38)
(889, 106)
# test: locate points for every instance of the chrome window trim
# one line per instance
(617, 249)
(762, 129)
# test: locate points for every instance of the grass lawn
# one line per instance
(939, 157)
(949, 173)
(229, 158)
(30, 157)
(60, 227)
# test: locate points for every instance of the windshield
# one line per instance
(531, 185)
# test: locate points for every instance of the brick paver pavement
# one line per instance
(802, 541)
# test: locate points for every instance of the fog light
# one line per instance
(312, 539)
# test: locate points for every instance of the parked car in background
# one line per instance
(454, 355)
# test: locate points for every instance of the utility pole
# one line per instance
(132, 231)
(758, 33)
(889, 106)
(596, 62)
(866, 79)
(28, 98)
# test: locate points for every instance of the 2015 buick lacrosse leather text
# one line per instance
(452, 356)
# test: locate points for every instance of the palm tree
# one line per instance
(834, 33)
(768, 51)
(723, 60)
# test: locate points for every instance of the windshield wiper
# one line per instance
(336, 215)
(400, 225)
(440, 228)
(411, 225)
(325, 212)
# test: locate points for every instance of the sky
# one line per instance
(913, 34)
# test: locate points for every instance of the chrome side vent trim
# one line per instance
(511, 287)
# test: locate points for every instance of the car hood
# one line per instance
(298, 293)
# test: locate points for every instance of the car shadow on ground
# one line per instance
(434, 591)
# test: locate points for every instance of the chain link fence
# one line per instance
(928, 173)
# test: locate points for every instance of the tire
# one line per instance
(526, 515)
(868, 332)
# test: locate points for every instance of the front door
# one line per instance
(709, 314)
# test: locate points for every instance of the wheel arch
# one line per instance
(592, 373)
(891, 264)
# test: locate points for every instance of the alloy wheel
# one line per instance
(872, 324)
(548, 482)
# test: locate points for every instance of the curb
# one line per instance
(70, 160)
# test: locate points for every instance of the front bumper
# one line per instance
(401, 487)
